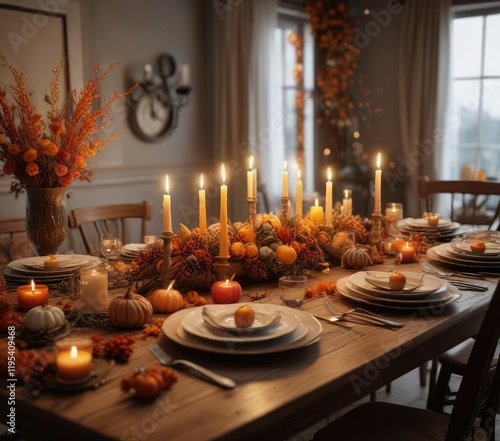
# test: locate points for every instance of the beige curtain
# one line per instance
(423, 74)
(244, 33)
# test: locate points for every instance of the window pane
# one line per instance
(492, 54)
(465, 105)
(490, 121)
(290, 124)
(467, 41)
(290, 59)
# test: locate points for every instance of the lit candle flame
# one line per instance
(316, 202)
(298, 175)
(167, 186)
(201, 182)
(346, 193)
(329, 174)
(227, 281)
(284, 166)
(73, 352)
(378, 160)
(170, 286)
(32, 285)
(223, 171)
(250, 166)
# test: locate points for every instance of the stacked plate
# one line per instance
(21, 271)
(445, 229)
(421, 291)
(211, 328)
(458, 254)
(132, 250)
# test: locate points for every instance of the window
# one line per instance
(473, 129)
(297, 154)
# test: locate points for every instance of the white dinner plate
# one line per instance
(344, 291)
(196, 325)
(173, 329)
(443, 252)
(66, 261)
(463, 247)
(423, 222)
(430, 285)
(437, 297)
(222, 317)
(135, 248)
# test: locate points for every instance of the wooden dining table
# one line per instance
(277, 394)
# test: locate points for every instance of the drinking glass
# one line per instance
(111, 247)
(293, 290)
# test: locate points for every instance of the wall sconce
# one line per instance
(154, 105)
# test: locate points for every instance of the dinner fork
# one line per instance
(428, 268)
(166, 360)
(360, 314)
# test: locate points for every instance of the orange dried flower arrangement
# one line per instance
(52, 153)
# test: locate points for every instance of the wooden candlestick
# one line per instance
(285, 209)
(375, 236)
(222, 267)
(167, 260)
(252, 213)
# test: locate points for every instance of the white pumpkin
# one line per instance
(44, 318)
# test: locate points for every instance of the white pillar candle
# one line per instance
(298, 197)
(167, 214)
(329, 199)
(94, 288)
(203, 208)
(347, 203)
(378, 188)
(250, 178)
(224, 237)
(185, 77)
(285, 181)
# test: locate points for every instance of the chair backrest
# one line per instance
(14, 242)
(477, 373)
(474, 195)
(94, 221)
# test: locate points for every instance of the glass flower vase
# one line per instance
(46, 219)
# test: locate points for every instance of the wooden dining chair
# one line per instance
(14, 242)
(113, 219)
(472, 197)
(377, 421)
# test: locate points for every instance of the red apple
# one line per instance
(226, 291)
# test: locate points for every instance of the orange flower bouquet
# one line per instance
(52, 153)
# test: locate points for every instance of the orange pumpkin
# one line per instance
(238, 250)
(397, 281)
(245, 234)
(130, 311)
(251, 250)
(286, 254)
(166, 300)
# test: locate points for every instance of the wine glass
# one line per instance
(110, 246)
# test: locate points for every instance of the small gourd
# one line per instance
(238, 250)
(129, 311)
(44, 318)
(251, 250)
(355, 258)
(286, 254)
(166, 300)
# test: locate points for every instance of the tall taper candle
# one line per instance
(224, 237)
(298, 197)
(329, 199)
(203, 208)
(377, 203)
(250, 176)
(167, 214)
(285, 181)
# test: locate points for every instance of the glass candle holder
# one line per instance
(293, 290)
(74, 358)
(94, 289)
(394, 210)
